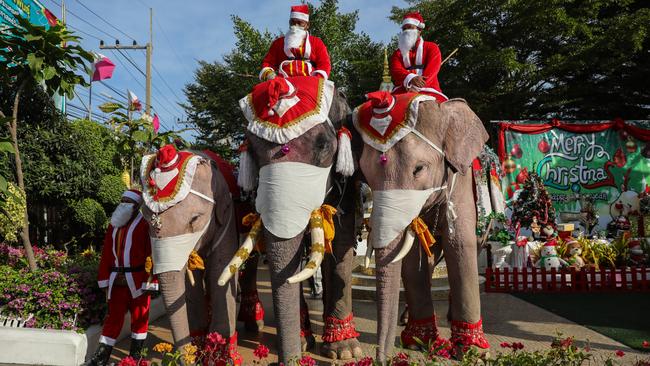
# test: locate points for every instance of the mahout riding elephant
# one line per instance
(292, 147)
(190, 210)
(416, 158)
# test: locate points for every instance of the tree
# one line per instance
(30, 55)
(522, 59)
(213, 97)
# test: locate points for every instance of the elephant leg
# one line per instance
(222, 298)
(307, 339)
(339, 334)
(284, 261)
(172, 287)
(197, 304)
(460, 255)
(251, 311)
(417, 269)
(388, 285)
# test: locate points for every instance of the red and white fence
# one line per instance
(626, 279)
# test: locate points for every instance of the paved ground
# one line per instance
(506, 319)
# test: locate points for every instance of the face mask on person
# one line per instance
(295, 35)
(407, 39)
(122, 214)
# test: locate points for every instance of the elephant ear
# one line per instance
(465, 134)
(222, 197)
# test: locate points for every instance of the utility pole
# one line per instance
(149, 50)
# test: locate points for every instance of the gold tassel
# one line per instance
(422, 231)
(324, 217)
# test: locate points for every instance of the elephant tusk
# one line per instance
(366, 260)
(240, 255)
(315, 257)
(406, 245)
(190, 275)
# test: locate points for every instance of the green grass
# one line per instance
(624, 317)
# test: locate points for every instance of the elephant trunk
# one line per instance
(172, 287)
(388, 287)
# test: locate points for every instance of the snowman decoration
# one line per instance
(548, 256)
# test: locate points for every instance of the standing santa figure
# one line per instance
(124, 275)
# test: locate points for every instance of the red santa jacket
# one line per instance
(127, 248)
(310, 59)
(424, 61)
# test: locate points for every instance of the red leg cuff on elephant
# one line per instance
(426, 330)
(468, 334)
(305, 324)
(251, 309)
(339, 330)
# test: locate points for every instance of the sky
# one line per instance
(183, 33)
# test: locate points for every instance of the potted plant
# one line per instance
(500, 241)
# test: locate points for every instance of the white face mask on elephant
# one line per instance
(287, 194)
(171, 253)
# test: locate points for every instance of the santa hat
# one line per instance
(300, 12)
(167, 158)
(382, 102)
(413, 18)
(133, 194)
(279, 88)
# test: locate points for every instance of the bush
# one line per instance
(12, 212)
(89, 213)
(110, 190)
(62, 294)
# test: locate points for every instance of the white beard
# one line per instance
(122, 214)
(407, 40)
(295, 36)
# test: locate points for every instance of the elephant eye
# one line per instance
(194, 218)
(417, 170)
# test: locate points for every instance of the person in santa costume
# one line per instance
(124, 274)
(415, 64)
(297, 53)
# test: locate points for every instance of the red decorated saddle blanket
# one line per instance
(282, 109)
(383, 127)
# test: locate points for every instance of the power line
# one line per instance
(121, 94)
(131, 62)
(104, 20)
(127, 69)
(165, 82)
(85, 21)
(169, 43)
(83, 32)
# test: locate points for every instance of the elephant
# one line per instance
(418, 173)
(189, 207)
(294, 176)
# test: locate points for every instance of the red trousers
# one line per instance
(121, 302)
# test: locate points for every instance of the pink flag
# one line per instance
(102, 68)
(156, 123)
(134, 102)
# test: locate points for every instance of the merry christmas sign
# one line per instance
(601, 163)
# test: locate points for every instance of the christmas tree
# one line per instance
(533, 200)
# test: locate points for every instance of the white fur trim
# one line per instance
(285, 134)
(298, 15)
(135, 292)
(407, 80)
(107, 340)
(434, 91)
(409, 124)
(247, 177)
(102, 284)
(174, 160)
(183, 190)
(411, 21)
(344, 158)
(264, 69)
(321, 73)
(139, 336)
(385, 110)
(132, 195)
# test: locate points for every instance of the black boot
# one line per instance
(101, 356)
(136, 348)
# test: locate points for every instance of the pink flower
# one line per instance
(143, 363)
(366, 361)
(505, 345)
(587, 349)
(215, 338)
(620, 353)
(402, 356)
(645, 344)
(261, 351)
(307, 361)
(517, 345)
(127, 361)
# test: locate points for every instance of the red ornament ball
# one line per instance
(516, 151)
(543, 146)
